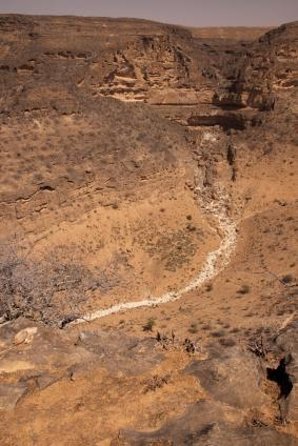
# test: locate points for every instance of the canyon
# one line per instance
(148, 233)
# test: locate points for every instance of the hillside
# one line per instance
(233, 33)
(148, 209)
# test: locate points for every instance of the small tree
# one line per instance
(28, 287)
(51, 291)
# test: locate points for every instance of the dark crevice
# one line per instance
(227, 122)
(282, 377)
(47, 187)
(67, 320)
(231, 155)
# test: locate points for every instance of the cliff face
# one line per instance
(65, 62)
(128, 60)
(266, 70)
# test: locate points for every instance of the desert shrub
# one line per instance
(218, 333)
(245, 289)
(149, 325)
(155, 383)
(209, 287)
(206, 327)
(227, 342)
(193, 328)
(288, 278)
(29, 288)
(235, 330)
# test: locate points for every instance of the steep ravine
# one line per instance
(216, 260)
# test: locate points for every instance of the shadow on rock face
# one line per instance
(10, 394)
(286, 373)
(132, 356)
(282, 377)
(233, 378)
(203, 424)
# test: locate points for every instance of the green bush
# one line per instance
(149, 325)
